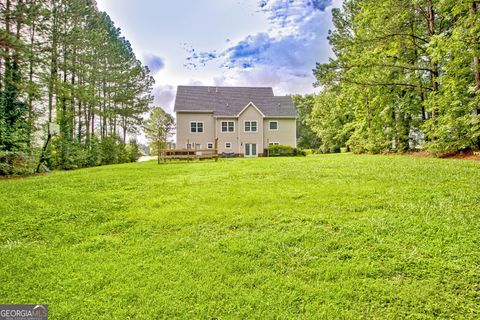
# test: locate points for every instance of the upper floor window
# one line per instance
(273, 125)
(251, 126)
(196, 127)
(228, 126)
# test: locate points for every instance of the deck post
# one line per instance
(164, 151)
(216, 150)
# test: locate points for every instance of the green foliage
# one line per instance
(159, 128)
(331, 118)
(109, 151)
(306, 137)
(94, 154)
(281, 150)
(65, 63)
(335, 149)
(15, 163)
(308, 151)
(402, 77)
(66, 155)
(133, 151)
(332, 237)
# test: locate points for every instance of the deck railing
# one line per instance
(189, 154)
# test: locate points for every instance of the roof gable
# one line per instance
(251, 104)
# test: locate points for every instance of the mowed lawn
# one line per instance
(334, 236)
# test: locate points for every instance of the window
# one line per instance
(228, 145)
(228, 126)
(273, 125)
(250, 126)
(196, 127)
(209, 145)
(274, 144)
(191, 146)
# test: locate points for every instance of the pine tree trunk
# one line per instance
(53, 66)
(476, 61)
(434, 73)
(79, 132)
(30, 78)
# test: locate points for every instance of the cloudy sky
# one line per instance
(226, 42)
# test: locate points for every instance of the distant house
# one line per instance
(245, 120)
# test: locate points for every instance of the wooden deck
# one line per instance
(189, 154)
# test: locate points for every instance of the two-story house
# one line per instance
(245, 120)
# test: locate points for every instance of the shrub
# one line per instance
(114, 150)
(65, 154)
(322, 150)
(108, 150)
(94, 154)
(284, 151)
(308, 152)
(280, 150)
(15, 163)
(122, 153)
(133, 151)
(334, 149)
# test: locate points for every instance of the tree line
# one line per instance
(71, 88)
(405, 76)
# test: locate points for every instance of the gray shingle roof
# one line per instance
(230, 101)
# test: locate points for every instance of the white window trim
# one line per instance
(269, 129)
(229, 144)
(210, 143)
(245, 121)
(227, 121)
(190, 127)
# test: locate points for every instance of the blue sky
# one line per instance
(221, 42)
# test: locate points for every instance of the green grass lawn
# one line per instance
(336, 236)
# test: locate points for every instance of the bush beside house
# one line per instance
(284, 151)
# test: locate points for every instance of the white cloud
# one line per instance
(283, 56)
(164, 97)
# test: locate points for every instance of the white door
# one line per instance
(250, 150)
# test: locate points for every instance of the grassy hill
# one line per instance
(338, 236)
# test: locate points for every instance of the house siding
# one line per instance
(285, 135)
(224, 137)
(251, 113)
(183, 129)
